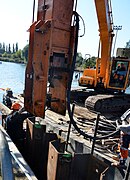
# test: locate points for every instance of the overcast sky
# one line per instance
(16, 17)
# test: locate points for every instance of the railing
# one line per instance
(5, 159)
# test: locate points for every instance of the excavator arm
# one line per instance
(51, 47)
(105, 21)
(100, 76)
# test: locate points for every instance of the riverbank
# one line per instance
(21, 61)
(16, 60)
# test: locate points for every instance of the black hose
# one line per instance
(83, 26)
(107, 136)
(71, 77)
(33, 10)
(69, 88)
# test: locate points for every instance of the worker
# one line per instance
(119, 75)
(124, 126)
(122, 68)
(6, 98)
(14, 123)
(116, 75)
(124, 143)
(118, 67)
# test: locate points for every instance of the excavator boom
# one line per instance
(105, 21)
(100, 76)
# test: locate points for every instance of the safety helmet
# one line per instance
(15, 106)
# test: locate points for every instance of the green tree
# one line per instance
(82, 63)
(127, 44)
(79, 60)
(25, 53)
(6, 48)
(0, 46)
(16, 48)
(90, 62)
(18, 53)
(13, 49)
(9, 49)
(9, 55)
(14, 56)
(5, 54)
(3, 47)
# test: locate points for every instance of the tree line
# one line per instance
(88, 61)
(13, 53)
(7, 48)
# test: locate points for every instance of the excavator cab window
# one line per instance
(118, 73)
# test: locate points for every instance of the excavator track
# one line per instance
(108, 103)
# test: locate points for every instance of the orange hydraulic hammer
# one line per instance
(51, 47)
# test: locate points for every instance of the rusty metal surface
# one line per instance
(66, 166)
(37, 148)
(50, 54)
(59, 163)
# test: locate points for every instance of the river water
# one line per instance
(12, 76)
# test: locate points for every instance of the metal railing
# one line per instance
(5, 159)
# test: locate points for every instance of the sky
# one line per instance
(16, 18)
(121, 16)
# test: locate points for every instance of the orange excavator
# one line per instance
(52, 48)
(52, 51)
(111, 74)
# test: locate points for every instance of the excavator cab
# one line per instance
(119, 75)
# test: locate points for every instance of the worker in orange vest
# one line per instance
(124, 127)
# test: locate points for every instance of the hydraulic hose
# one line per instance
(69, 89)
(33, 10)
(107, 136)
(71, 77)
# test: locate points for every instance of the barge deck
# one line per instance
(47, 146)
